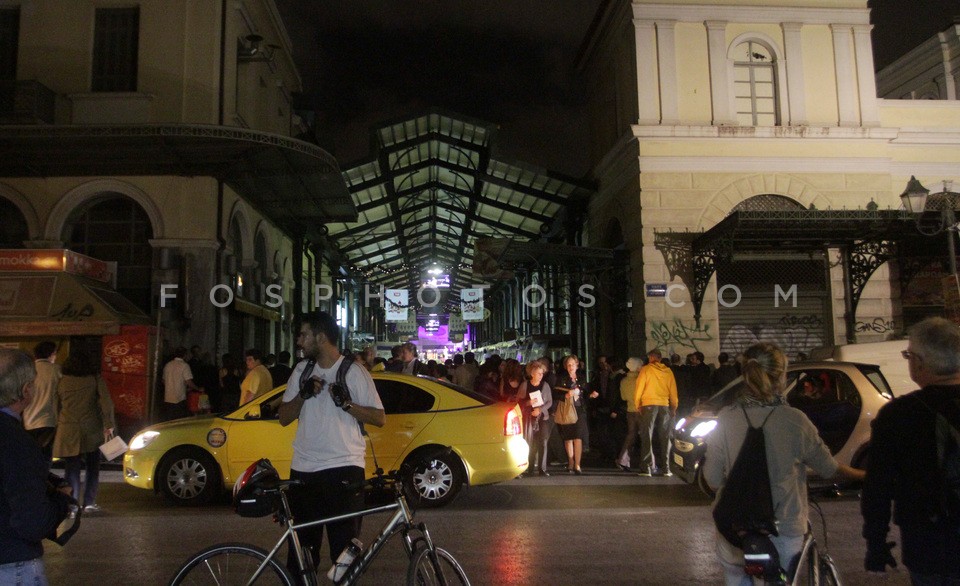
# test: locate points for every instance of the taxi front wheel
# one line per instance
(188, 476)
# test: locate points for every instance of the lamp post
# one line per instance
(914, 199)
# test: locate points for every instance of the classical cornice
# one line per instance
(751, 14)
(779, 133)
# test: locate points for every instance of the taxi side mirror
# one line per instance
(253, 412)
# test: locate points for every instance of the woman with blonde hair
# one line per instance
(792, 444)
(571, 387)
(536, 420)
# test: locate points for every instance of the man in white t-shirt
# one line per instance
(177, 379)
(329, 449)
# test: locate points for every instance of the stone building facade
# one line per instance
(705, 116)
(159, 134)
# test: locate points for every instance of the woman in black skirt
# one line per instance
(573, 434)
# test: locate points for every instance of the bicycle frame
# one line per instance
(401, 520)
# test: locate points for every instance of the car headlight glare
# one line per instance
(680, 424)
(703, 428)
(142, 440)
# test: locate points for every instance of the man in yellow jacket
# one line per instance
(656, 399)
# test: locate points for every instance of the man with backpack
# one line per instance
(331, 396)
(914, 463)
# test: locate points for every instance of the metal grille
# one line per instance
(757, 318)
(767, 203)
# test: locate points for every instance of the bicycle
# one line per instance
(240, 563)
(813, 565)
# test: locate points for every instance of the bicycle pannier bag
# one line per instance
(745, 504)
(252, 494)
(566, 413)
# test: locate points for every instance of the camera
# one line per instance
(340, 394)
(307, 388)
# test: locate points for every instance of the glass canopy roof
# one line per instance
(430, 189)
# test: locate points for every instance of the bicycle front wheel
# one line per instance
(229, 564)
(425, 570)
(829, 575)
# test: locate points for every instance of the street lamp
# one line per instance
(914, 199)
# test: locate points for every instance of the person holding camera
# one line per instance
(329, 449)
(30, 507)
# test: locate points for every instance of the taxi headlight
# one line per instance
(703, 428)
(680, 424)
(143, 439)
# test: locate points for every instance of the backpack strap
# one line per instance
(307, 372)
(345, 365)
(750, 424)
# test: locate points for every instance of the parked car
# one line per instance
(840, 398)
(887, 355)
(453, 436)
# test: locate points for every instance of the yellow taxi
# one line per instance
(451, 436)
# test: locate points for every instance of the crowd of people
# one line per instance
(65, 412)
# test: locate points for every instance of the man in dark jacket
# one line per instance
(30, 509)
(903, 469)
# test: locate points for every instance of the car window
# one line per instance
(831, 400)
(270, 409)
(400, 397)
(728, 394)
(874, 375)
(478, 397)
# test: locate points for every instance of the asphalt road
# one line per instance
(601, 528)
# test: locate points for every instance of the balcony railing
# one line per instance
(26, 102)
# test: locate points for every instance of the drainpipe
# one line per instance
(221, 241)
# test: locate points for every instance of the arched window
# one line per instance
(114, 227)
(13, 228)
(755, 84)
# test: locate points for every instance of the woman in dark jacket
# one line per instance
(537, 422)
(569, 384)
(84, 422)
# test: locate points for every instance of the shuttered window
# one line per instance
(116, 37)
(9, 39)
(755, 312)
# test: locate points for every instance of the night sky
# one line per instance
(507, 62)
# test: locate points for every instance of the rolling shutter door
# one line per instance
(756, 318)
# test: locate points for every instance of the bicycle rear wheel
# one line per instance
(228, 564)
(424, 571)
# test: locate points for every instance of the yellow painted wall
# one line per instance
(820, 75)
(693, 73)
(178, 58)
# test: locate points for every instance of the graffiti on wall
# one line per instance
(878, 325)
(680, 334)
(792, 333)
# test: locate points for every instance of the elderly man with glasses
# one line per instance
(905, 468)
